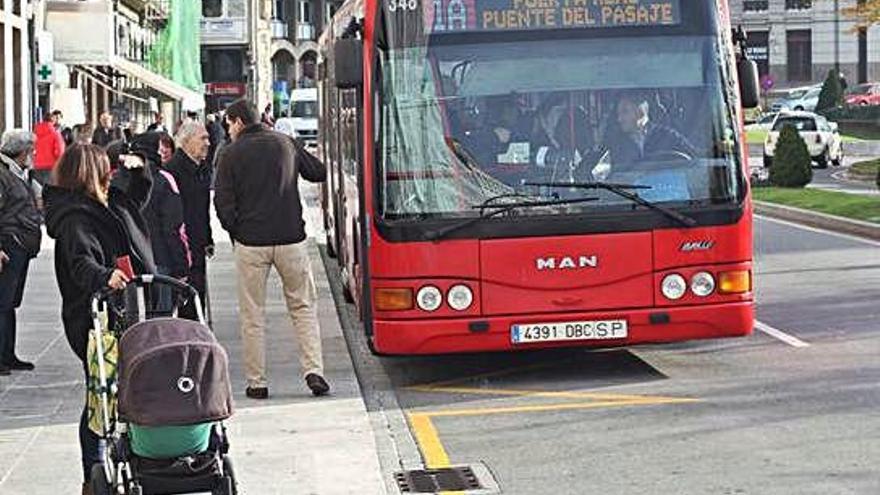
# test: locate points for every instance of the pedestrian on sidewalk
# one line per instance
(106, 131)
(257, 201)
(95, 224)
(49, 148)
(20, 236)
(193, 175)
(164, 215)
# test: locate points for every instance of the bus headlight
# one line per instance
(702, 284)
(673, 286)
(429, 298)
(460, 297)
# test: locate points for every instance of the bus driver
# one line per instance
(636, 137)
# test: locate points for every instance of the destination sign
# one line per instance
(449, 16)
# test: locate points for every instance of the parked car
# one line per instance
(798, 100)
(863, 94)
(822, 137)
(764, 122)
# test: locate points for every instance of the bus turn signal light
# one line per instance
(394, 299)
(735, 282)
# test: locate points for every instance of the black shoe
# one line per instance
(4, 370)
(257, 392)
(317, 384)
(19, 365)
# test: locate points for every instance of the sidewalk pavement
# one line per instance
(290, 444)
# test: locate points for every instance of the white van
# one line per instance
(303, 116)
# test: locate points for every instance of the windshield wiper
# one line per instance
(499, 209)
(621, 190)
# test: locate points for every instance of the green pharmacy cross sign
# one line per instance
(45, 74)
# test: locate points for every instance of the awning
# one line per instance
(190, 100)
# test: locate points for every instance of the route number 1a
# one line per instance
(403, 5)
(451, 18)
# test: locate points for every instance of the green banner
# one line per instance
(177, 53)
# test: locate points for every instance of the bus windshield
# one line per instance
(462, 122)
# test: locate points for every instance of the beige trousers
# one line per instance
(292, 263)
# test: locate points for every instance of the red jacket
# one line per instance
(49, 147)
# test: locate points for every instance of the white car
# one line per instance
(764, 122)
(822, 138)
(799, 100)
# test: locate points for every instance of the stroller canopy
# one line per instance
(172, 372)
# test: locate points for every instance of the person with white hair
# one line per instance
(20, 236)
(193, 176)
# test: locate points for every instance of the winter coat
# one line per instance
(256, 194)
(164, 214)
(194, 181)
(19, 218)
(90, 237)
(102, 137)
(49, 146)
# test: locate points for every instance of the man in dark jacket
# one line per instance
(636, 137)
(20, 236)
(106, 132)
(193, 177)
(257, 201)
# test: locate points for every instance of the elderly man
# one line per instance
(106, 133)
(193, 177)
(20, 236)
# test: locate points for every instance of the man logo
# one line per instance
(691, 246)
(567, 263)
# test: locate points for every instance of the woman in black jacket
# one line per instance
(95, 224)
(164, 214)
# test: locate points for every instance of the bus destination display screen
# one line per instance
(456, 16)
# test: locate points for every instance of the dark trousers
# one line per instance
(198, 279)
(12, 280)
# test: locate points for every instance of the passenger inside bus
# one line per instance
(632, 136)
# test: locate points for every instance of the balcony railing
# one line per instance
(305, 31)
(279, 29)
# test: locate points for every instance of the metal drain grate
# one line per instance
(437, 480)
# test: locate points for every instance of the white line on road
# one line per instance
(819, 231)
(780, 335)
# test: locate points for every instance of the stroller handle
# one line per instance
(147, 280)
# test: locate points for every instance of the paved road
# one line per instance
(753, 415)
(833, 178)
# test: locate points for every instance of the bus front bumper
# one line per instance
(474, 334)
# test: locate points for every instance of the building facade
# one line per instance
(260, 48)
(16, 49)
(226, 34)
(101, 51)
(796, 42)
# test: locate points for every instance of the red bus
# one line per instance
(512, 174)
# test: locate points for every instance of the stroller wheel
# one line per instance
(100, 484)
(226, 485)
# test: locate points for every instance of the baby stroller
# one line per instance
(164, 433)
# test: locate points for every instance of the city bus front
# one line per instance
(554, 173)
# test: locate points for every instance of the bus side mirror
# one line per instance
(348, 63)
(747, 70)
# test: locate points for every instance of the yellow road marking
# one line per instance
(555, 407)
(429, 443)
(542, 393)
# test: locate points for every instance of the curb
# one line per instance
(833, 223)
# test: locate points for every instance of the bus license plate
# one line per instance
(568, 330)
